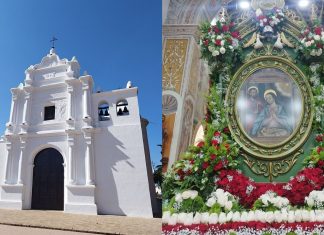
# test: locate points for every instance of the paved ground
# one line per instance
(102, 224)
(18, 230)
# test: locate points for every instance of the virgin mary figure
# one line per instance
(273, 120)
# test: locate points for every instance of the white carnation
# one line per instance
(178, 197)
(213, 218)
(188, 219)
(204, 218)
(166, 217)
(317, 37)
(228, 205)
(222, 50)
(215, 53)
(211, 201)
(222, 218)
(197, 218)
(173, 219)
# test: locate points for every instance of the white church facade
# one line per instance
(68, 148)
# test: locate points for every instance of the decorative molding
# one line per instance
(271, 169)
(181, 31)
(173, 64)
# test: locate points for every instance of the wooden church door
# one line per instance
(48, 180)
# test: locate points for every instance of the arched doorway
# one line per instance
(48, 180)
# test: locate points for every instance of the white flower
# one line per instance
(278, 216)
(298, 216)
(215, 53)
(308, 43)
(265, 20)
(211, 48)
(231, 48)
(305, 215)
(228, 205)
(166, 217)
(213, 218)
(194, 194)
(204, 218)
(222, 218)
(188, 219)
(211, 201)
(197, 218)
(269, 217)
(222, 43)
(244, 216)
(219, 37)
(222, 200)
(229, 216)
(236, 216)
(291, 217)
(222, 50)
(181, 217)
(319, 52)
(309, 201)
(173, 219)
(251, 216)
(317, 37)
(178, 197)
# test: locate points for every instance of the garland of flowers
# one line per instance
(220, 44)
(270, 21)
(312, 42)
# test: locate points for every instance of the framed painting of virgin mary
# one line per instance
(270, 108)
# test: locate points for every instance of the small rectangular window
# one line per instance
(49, 113)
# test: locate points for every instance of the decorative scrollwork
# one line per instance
(271, 169)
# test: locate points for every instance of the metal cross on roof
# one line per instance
(53, 41)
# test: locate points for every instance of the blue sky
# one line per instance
(114, 41)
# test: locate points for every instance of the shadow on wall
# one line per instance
(112, 165)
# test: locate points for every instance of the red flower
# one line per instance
(225, 28)
(319, 138)
(319, 150)
(213, 157)
(214, 142)
(231, 25)
(205, 165)
(192, 161)
(235, 34)
(319, 45)
(201, 144)
(318, 30)
(320, 163)
(218, 42)
(218, 166)
(216, 30)
(206, 42)
(217, 133)
(226, 130)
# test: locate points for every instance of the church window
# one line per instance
(121, 108)
(103, 112)
(49, 113)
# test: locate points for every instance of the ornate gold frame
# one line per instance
(289, 147)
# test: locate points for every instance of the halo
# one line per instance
(270, 91)
(253, 87)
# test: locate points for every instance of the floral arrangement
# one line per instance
(187, 201)
(315, 200)
(315, 72)
(312, 41)
(221, 201)
(316, 158)
(220, 42)
(270, 21)
(270, 201)
(243, 228)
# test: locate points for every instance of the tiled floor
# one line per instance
(102, 224)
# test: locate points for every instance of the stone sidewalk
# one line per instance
(102, 224)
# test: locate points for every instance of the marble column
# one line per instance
(89, 164)
(22, 148)
(70, 103)
(13, 105)
(85, 89)
(8, 164)
(71, 168)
